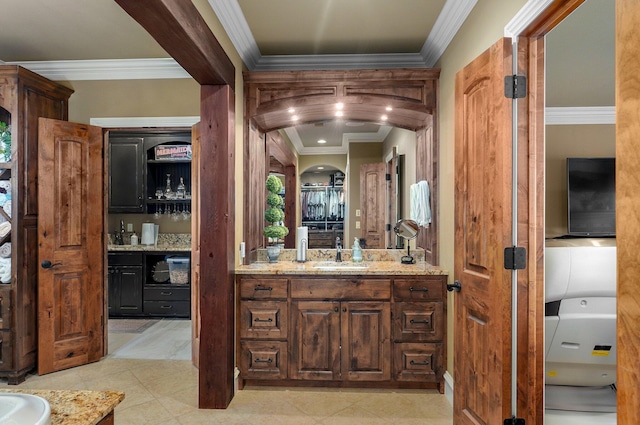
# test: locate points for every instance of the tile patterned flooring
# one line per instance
(165, 392)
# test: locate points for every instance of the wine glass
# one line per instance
(186, 214)
(157, 214)
(176, 214)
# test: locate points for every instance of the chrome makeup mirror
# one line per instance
(407, 229)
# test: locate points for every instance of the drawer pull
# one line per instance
(260, 288)
(424, 289)
(263, 361)
(257, 319)
(425, 321)
(166, 307)
(415, 363)
(166, 293)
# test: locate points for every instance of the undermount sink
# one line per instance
(24, 409)
(335, 265)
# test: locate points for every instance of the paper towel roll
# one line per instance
(302, 243)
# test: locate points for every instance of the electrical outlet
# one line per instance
(129, 227)
(357, 224)
(242, 253)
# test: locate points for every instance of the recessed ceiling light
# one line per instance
(389, 108)
(320, 168)
(384, 117)
(291, 110)
(322, 141)
(354, 123)
(295, 118)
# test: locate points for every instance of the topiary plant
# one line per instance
(274, 214)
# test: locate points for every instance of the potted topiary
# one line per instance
(274, 215)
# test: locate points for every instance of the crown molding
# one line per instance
(451, 18)
(106, 69)
(140, 122)
(580, 115)
(294, 137)
(525, 16)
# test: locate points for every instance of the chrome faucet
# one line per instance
(338, 250)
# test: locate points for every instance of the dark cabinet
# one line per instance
(125, 284)
(126, 174)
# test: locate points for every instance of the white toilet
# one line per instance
(580, 332)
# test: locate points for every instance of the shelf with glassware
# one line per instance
(323, 212)
(168, 188)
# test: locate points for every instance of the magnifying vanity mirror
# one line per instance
(407, 229)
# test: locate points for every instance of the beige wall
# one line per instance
(484, 26)
(562, 142)
(405, 142)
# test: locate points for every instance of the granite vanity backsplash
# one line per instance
(329, 254)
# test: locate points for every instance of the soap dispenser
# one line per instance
(356, 251)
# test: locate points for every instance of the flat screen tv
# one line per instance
(591, 187)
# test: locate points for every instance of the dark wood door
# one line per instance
(71, 246)
(366, 341)
(373, 204)
(482, 327)
(315, 345)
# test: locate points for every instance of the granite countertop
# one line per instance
(71, 407)
(375, 262)
(149, 248)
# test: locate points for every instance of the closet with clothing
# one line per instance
(323, 212)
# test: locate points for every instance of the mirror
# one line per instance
(407, 229)
(347, 146)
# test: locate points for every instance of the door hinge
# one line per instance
(387, 177)
(514, 421)
(515, 86)
(515, 258)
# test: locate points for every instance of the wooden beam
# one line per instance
(180, 29)
(217, 240)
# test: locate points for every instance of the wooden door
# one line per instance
(366, 341)
(195, 244)
(71, 246)
(373, 204)
(482, 329)
(315, 345)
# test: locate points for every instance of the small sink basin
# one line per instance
(334, 265)
(24, 409)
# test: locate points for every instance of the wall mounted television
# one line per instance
(591, 188)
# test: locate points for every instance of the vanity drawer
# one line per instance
(417, 362)
(264, 319)
(419, 289)
(263, 288)
(341, 288)
(263, 360)
(417, 322)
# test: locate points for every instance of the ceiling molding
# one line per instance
(140, 122)
(525, 16)
(377, 137)
(106, 69)
(451, 18)
(580, 115)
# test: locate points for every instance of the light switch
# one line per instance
(357, 213)
(357, 224)
(129, 227)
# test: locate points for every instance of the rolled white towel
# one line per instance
(5, 228)
(5, 250)
(5, 270)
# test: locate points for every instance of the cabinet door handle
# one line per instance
(425, 321)
(257, 360)
(166, 293)
(414, 363)
(166, 307)
(260, 288)
(257, 319)
(344, 309)
(424, 289)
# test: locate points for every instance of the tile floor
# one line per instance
(164, 392)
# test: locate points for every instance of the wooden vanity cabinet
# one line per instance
(374, 331)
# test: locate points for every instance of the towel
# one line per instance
(5, 228)
(5, 270)
(420, 204)
(5, 250)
